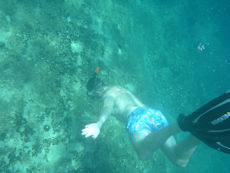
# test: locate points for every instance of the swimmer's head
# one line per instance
(95, 86)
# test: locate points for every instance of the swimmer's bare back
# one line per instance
(124, 101)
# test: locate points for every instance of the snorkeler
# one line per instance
(149, 129)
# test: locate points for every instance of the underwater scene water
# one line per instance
(172, 55)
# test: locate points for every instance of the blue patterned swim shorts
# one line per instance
(142, 119)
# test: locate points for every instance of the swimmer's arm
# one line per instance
(106, 111)
(93, 130)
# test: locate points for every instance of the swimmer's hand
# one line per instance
(91, 130)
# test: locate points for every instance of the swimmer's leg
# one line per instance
(180, 153)
(137, 140)
(146, 143)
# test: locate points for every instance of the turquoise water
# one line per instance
(173, 55)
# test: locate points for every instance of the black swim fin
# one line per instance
(210, 123)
